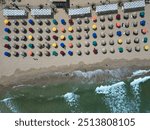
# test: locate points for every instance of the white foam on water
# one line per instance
(21, 85)
(136, 83)
(72, 100)
(140, 72)
(115, 97)
(9, 104)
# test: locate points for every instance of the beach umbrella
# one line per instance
(70, 37)
(54, 29)
(128, 41)
(16, 46)
(55, 21)
(62, 29)
(7, 54)
(120, 49)
(78, 37)
(127, 32)
(24, 54)
(47, 22)
(62, 37)
(23, 21)
(62, 45)
(95, 51)
(39, 37)
(87, 36)
(30, 37)
(94, 43)
(39, 53)
(111, 34)
(15, 30)
(63, 22)
(47, 45)
(94, 27)
(39, 30)
(126, 24)
(87, 44)
(54, 45)
(62, 53)
(118, 24)
(6, 22)
(102, 34)
(129, 49)
(78, 44)
(47, 53)
(87, 52)
(15, 38)
(78, 29)
(70, 45)
(16, 22)
(39, 22)
(7, 46)
(55, 37)
(110, 25)
(145, 40)
(31, 21)
(47, 37)
(86, 28)
(135, 23)
(31, 30)
(71, 21)
(7, 38)
(47, 30)
(144, 30)
(102, 18)
(119, 33)
(111, 42)
(118, 16)
(142, 22)
(94, 35)
(30, 53)
(102, 26)
(16, 54)
(70, 53)
(142, 14)
(79, 21)
(54, 53)
(110, 17)
(94, 19)
(126, 16)
(23, 46)
(39, 45)
(136, 40)
(103, 43)
(112, 50)
(120, 41)
(70, 29)
(146, 47)
(79, 52)
(104, 50)
(7, 30)
(135, 32)
(23, 38)
(31, 46)
(137, 48)
(86, 20)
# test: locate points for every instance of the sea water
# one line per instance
(89, 92)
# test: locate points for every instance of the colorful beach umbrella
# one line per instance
(54, 53)
(47, 53)
(54, 45)
(70, 45)
(62, 53)
(94, 43)
(7, 54)
(70, 37)
(146, 47)
(62, 45)
(120, 49)
(30, 53)
(70, 53)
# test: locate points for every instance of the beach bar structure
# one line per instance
(79, 11)
(129, 6)
(108, 8)
(41, 12)
(14, 12)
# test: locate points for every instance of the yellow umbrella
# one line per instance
(6, 21)
(54, 29)
(120, 41)
(54, 45)
(146, 47)
(94, 26)
(30, 37)
(62, 37)
(70, 29)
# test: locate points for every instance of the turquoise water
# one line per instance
(84, 94)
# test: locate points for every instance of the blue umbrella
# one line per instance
(63, 21)
(94, 35)
(70, 53)
(31, 21)
(142, 22)
(62, 45)
(7, 30)
(55, 21)
(7, 54)
(119, 33)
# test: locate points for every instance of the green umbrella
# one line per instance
(70, 37)
(94, 43)
(145, 39)
(120, 49)
(6, 38)
(54, 53)
(31, 45)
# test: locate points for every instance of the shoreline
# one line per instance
(46, 75)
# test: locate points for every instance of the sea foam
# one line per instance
(140, 72)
